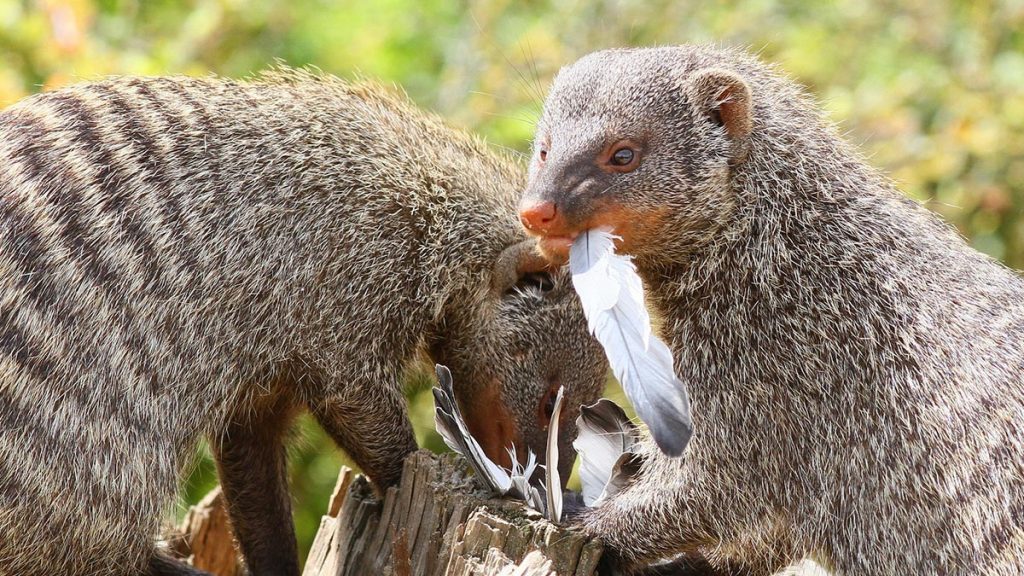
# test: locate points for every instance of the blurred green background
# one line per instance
(931, 89)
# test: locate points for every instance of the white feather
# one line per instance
(613, 301)
(513, 483)
(552, 481)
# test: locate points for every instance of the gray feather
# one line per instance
(607, 445)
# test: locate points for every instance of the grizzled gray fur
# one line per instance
(856, 369)
(186, 258)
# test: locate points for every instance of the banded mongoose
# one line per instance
(182, 258)
(856, 369)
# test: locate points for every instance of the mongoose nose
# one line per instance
(540, 216)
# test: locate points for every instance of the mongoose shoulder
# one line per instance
(182, 258)
(856, 369)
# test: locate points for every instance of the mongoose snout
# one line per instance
(542, 217)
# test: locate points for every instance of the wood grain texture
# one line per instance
(438, 523)
(204, 537)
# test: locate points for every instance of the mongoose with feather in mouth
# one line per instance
(856, 370)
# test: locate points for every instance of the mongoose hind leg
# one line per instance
(371, 423)
(160, 565)
(251, 463)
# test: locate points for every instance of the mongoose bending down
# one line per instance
(183, 258)
(856, 369)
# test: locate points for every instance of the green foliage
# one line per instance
(931, 89)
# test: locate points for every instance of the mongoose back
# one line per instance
(856, 370)
(183, 258)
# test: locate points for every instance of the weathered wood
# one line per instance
(465, 534)
(204, 537)
(319, 552)
(340, 490)
(436, 522)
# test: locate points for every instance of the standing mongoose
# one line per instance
(185, 258)
(856, 370)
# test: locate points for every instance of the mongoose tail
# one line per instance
(855, 368)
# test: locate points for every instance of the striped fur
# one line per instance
(182, 258)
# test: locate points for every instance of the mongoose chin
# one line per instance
(184, 258)
(855, 368)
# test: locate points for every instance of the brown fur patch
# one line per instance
(491, 423)
(635, 226)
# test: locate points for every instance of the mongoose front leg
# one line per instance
(667, 493)
(251, 461)
(689, 520)
(370, 422)
(622, 523)
(686, 565)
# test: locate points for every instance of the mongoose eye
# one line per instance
(542, 149)
(547, 406)
(622, 157)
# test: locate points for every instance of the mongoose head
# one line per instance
(640, 141)
(510, 350)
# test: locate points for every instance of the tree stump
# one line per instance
(437, 522)
(204, 537)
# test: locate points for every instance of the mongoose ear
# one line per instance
(515, 262)
(725, 98)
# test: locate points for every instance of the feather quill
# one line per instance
(613, 302)
(552, 481)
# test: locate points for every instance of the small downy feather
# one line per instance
(607, 443)
(613, 302)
